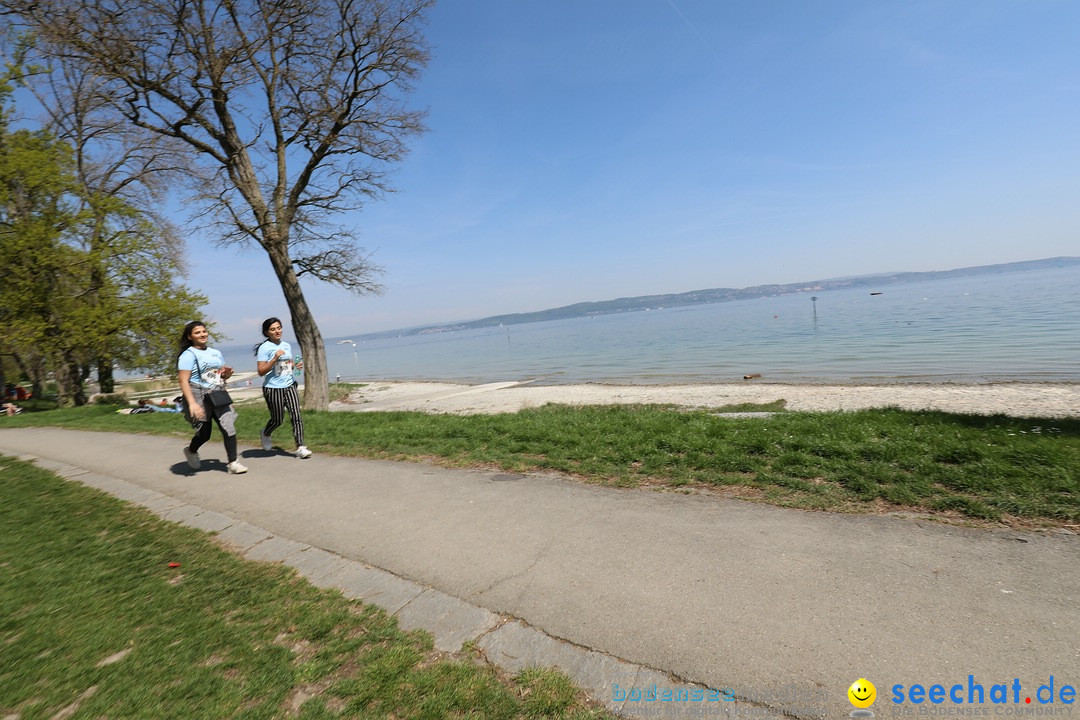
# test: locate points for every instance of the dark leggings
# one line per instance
(278, 400)
(205, 428)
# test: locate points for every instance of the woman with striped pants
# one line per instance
(275, 365)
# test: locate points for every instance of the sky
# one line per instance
(584, 150)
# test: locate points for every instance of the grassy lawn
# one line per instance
(979, 468)
(94, 623)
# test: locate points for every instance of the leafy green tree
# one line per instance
(134, 285)
(86, 274)
(37, 296)
(291, 111)
(136, 253)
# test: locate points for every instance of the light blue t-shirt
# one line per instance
(207, 372)
(281, 375)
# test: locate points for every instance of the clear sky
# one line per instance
(592, 149)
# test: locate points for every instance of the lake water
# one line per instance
(1022, 326)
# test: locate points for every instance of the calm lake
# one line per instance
(1021, 326)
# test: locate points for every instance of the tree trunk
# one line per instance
(316, 387)
(106, 382)
(81, 396)
(70, 381)
(37, 378)
(32, 368)
(65, 373)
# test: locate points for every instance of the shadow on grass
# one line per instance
(1065, 427)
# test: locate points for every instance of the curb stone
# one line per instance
(506, 642)
(183, 513)
(241, 537)
(210, 521)
(275, 549)
(452, 622)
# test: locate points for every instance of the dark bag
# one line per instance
(219, 398)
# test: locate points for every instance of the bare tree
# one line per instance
(295, 110)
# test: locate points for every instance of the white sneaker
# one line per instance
(235, 468)
(267, 445)
(302, 452)
(193, 460)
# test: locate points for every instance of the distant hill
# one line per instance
(717, 295)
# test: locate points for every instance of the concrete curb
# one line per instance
(506, 642)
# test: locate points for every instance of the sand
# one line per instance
(1047, 400)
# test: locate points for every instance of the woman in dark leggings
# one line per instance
(203, 370)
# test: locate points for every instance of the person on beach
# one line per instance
(165, 407)
(275, 365)
(140, 408)
(202, 370)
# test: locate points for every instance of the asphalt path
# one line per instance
(783, 606)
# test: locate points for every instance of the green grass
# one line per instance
(974, 467)
(92, 616)
(37, 404)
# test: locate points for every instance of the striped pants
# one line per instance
(278, 400)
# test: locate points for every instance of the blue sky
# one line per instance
(592, 149)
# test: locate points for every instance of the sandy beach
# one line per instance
(1048, 400)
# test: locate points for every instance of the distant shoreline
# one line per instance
(709, 296)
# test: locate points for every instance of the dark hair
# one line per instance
(265, 329)
(185, 337)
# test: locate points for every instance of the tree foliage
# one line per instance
(122, 175)
(89, 279)
(295, 109)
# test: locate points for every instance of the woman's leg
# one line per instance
(226, 420)
(275, 403)
(203, 428)
(292, 403)
(230, 446)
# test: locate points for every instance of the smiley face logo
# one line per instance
(862, 693)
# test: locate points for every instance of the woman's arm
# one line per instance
(266, 366)
(195, 409)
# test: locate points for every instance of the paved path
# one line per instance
(784, 607)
